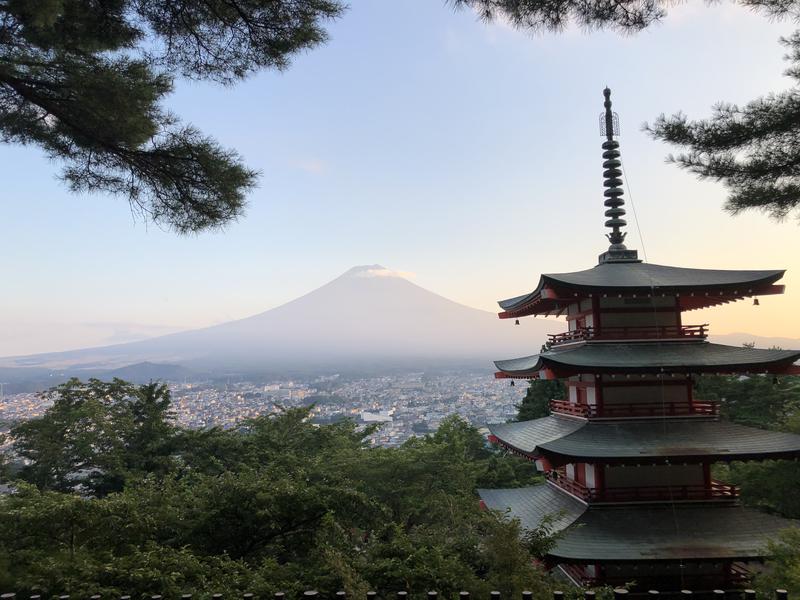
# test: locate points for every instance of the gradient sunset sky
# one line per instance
(427, 141)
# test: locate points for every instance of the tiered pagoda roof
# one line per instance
(636, 533)
(697, 288)
(630, 361)
(565, 439)
(532, 504)
(649, 357)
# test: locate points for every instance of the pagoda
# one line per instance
(627, 455)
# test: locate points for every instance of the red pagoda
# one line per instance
(627, 455)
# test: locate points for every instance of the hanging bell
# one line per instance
(756, 302)
(516, 321)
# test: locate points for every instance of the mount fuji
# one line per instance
(368, 318)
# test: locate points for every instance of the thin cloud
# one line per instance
(315, 166)
(118, 332)
(386, 273)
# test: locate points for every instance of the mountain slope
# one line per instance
(367, 316)
(760, 341)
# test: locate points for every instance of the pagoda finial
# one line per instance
(609, 127)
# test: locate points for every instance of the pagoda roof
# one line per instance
(648, 357)
(529, 436)
(642, 278)
(531, 504)
(643, 533)
(565, 439)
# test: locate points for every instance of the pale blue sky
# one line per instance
(420, 139)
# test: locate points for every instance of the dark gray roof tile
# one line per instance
(531, 504)
(628, 441)
(611, 534)
(669, 533)
(526, 436)
(695, 356)
(630, 277)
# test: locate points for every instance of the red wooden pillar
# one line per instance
(707, 478)
(600, 479)
(598, 394)
(596, 315)
(727, 573)
(581, 395)
(580, 473)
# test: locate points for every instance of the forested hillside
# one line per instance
(116, 498)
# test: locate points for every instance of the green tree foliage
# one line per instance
(767, 403)
(759, 401)
(536, 403)
(556, 15)
(753, 149)
(783, 568)
(85, 81)
(96, 435)
(275, 504)
(625, 16)
(769, 485)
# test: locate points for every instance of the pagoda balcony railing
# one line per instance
(653, 493)
(654, 332)
(566, 407)
(716, 491)
(636, 409)
(560, 479)
(578, 574)
(736, 574)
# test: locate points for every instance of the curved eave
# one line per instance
(564, 458)
(669, 533)
(533, 503)
(696, 288)
(525, 437)
(649, 358)
(559, 459)
(526, 367)
(638, 533)
(564, 440)
(519, 301)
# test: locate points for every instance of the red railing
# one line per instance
(636, 409)
(569, 408)
(578, 574)
(735, 574)
(656, 409)
(654, 332)
(740, 573)
(716, 491)
(560, 478)
(584, 333)
(655, 493)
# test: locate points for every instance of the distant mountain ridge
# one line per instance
(368, 319)
(369, 316)
(738, 339)
(146, 371)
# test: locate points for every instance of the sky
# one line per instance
(464, 154)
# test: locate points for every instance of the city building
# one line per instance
(627, 454)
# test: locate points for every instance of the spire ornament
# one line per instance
(609, 127)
